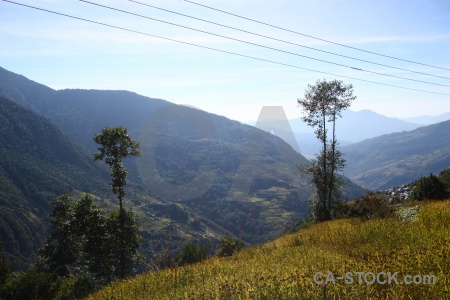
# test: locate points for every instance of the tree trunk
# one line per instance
(122, 237)
(325, 173)
(333, 163)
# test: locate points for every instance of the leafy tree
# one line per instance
(445, 178)
(229, 245)
(116, 144)
(78, 242)
(131, 241)
(431, 187)
(61, 248)
(322, 105)
(84, 240)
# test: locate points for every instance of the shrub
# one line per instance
(163, 259)
(191, 253)
(445, 178)
(229, 245)
(430, 187)
(370, 207)
(38, 284)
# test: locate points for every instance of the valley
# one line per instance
(200, 177)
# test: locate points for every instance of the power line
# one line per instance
(259, 45)
(219, 50)
(284, 41)
(316, 38)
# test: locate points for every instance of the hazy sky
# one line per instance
(65, 53)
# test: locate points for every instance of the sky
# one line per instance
(63, 52)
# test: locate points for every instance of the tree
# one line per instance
(445, 178)
(79, 241)
(431, 187)
(60, 251)
(84, 240)
(126, 257)
(322, 105)
(116, 144)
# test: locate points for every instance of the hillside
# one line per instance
(201, 175)
(285, 267)
(399, 158)
(184, 146)
(37, 163)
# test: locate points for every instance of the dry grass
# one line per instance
(284, 268)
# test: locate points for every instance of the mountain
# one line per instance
(399, 158)
(37, 163)
(200, 175)
(370, 124)
(427, 120)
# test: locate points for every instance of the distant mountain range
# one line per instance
(399, 158)
(428, 120)
(369, 125)
(381, 152)
(200, 175)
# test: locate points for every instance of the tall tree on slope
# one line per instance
(116, 144)
(322, 105)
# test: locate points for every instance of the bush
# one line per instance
(445, 178)
(229, 245)
(163, 259)
(370, 207)
(431, 187)
(191, 253)
(37, 284)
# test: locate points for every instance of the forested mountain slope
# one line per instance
(37, 163)
(399, 158)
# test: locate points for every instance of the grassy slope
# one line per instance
(284, 268)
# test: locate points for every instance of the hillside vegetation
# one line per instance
(37, 163)
(284, 268)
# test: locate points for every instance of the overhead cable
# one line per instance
(219, 50)
(284, 41)
(261, 46)
(316, 38)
